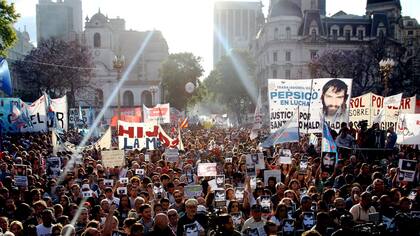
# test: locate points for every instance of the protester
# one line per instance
(170, 198)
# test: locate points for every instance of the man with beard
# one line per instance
(334, 97)
(226, 228)
(338, 211)
(255, 221)
(192, 217)
(179, 202)
(362, 210)
(161, 226)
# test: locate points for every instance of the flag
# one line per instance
(257, 120)
(5, 79)
(80, 114)
(313, 139)
(328, 143)
(184, 123)
(91, 116)
(15, 113)
(54, 141)
(180, 144)
(105, 141)
(288, 133)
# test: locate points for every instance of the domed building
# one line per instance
(297, 31)
(108, 38)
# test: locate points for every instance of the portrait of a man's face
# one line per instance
(388, 222)
(220, 181)
(219, 195)
(334, 97)
(308, 221)
(288, 226)
(239, 194)
(191, 230)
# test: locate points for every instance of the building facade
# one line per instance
(235, 25)
(61, 19)
(22, 48)
(296, 31)
(108, 38)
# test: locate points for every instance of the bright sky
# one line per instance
(187, 25)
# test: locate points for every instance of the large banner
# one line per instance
(375, 108)
(143, 135)
(74, 116)
(60, 109)
(316, 99)
(408, 105)
(35, 113)
(408, 129)
(133, 114)
(160, 114)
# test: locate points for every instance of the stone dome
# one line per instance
(285, 8)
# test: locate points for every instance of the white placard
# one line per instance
(206, 169)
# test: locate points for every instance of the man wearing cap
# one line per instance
(192, 217)
(255, 221)
(110, 197)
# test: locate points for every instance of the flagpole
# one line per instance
(309, 107)
(298, 126)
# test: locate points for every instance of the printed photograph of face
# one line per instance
(334, 97)
(308, 220)
(219, 195)
(328, 160)
(239, 193)
(191, 230)
(288, 226)
(220, 181)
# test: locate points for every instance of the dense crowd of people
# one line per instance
(363, 194)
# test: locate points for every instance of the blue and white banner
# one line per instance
(288, 133)
(34, 115)
(317, 99)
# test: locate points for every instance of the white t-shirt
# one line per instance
(360, 214)
(41, 230)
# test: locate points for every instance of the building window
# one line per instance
(360, 34)
(410, 23)
(275, 74)
(313, 34)
(410, 32)
(99, 98)
(314, 54)
(347, 34)
(335, 34)
(288, 33)
(276, 33)
(287, 74)
(275, 56)
(128, 99)
(288, 56)
(313, 4)
(97, 40)
(410, 42)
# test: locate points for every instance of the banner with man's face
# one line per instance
(316, 99)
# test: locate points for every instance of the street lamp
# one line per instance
(386, 67)
(153, 90)
(118, 63)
